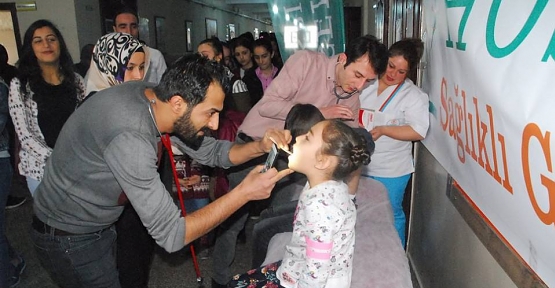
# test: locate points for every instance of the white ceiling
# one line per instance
(254, 8)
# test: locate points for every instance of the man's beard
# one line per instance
(185, 130)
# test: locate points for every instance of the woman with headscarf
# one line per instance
(117, 58)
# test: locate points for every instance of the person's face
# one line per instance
(127, 23)
(243, 56)
(356, 76)
(396, 72)
(205, 115)
(263, 58)
(135, 69)
(227, 57)
(306, 148)
(46, 46)
(207, 51)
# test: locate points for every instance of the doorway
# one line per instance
(9, 31)
(353, 23)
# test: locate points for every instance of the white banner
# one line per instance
(490, 75)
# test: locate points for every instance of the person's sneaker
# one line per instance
(14, 201)
(14, 280)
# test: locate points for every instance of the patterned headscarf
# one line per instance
(111, 55)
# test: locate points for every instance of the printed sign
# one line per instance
(490, 67)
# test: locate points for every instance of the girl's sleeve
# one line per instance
(322, 220)
(32, 144)
(80, 88)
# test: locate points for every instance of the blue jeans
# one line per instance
(6, 251)
(192, 205)
(84, 260)
(273, 220)
(224, 247)
(396, 190)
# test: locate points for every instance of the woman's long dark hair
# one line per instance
(28, 66)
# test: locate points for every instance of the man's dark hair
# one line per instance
(368, 44)
(189, 77)
(125, 10)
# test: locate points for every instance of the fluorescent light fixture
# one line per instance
(295, 38)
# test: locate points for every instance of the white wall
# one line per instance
(7, 38)
(88, 22)
(61, 13)
(80, 23)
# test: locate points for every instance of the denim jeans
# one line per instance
(6, 251)
(84, 260)
(273, 220)
(224, 247)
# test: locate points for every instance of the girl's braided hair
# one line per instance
(350, 148)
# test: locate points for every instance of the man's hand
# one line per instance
(258, 185)
(280, 137)
(337, 112)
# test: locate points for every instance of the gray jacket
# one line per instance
(107, 146)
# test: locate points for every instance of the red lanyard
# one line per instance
(168, 145)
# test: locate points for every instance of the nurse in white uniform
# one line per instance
(395, 111)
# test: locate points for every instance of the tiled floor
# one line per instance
(168, 270)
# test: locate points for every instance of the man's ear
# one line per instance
(178, 104)
(342, 58)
